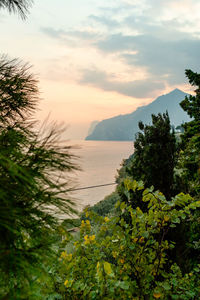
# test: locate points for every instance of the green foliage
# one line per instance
(122, 260)
(189, 159)
(155, 155)
(191, 104)
(107, 205)
(33, 183)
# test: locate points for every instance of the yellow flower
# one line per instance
(106, 219)
(87, 222)
(63, 255)
(157, 295)
(122, 260)
(89, 239)
(66, 282)
(86, 238)
(82, 224)
(135, 240)
(92, 237)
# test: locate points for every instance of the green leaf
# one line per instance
(124, 285)
(140, 185)
(166, 286)
(107, 268)
(123, 206)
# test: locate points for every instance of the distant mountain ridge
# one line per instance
(92, 127)
(124, 127)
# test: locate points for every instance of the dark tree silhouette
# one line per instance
(17, 6)
(154, 157)
(190, 155)
(34, 187)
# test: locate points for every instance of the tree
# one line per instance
(155, 163)
(19, 6)
(154, 156)
(190, 155)
(33, 181)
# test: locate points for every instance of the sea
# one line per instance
(99, 161)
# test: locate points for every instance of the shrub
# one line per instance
(130, 261)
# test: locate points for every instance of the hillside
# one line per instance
(92, 127)
(124, 127)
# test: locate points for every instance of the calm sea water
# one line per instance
(99, 161)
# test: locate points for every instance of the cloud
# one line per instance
(69, 36)
(152, 35)
(164, 58)
(108, 82)
(105, 21)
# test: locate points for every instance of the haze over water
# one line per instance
(99, 161)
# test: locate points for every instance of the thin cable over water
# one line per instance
(92, 186)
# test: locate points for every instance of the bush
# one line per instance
(130, 261)
(105, 206)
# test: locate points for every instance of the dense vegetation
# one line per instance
(141, 242)
(155, 155)
(149, 246)
(120, 260)
(107, 205)
(145, 246)
(33, 188)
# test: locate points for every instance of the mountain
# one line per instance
(124, 127)
(92, 127)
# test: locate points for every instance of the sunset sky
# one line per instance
(99, 58)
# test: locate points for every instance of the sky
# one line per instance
(96, 59)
